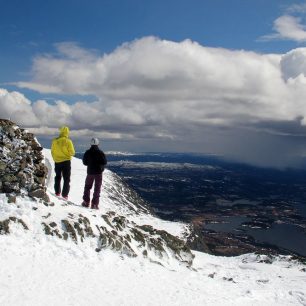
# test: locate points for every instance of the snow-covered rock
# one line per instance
(22, 170)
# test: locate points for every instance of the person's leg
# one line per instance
(96, 195)
(57, 179)
(88, 185)
(66, 176)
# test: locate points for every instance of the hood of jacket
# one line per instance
(64, 131)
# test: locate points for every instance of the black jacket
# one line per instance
(95, 160)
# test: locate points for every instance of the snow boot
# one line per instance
(94, 206)
(85, 204)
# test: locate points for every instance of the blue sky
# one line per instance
(225, 77)
(28, 28)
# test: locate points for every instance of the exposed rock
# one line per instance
(10, 187)
(5, 225)
(118, 233)
(115, 242)
(21, 168)
(9, 178)
(2, 165)
(196, 240)
(118, 188)
(51, 231)
(160, 240)
(86, 225)
(69, 229)
(47, 216)
(20, 221)
(40, 194)
(22, 179)
(11, 199)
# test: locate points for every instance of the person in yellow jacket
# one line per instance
(62, 150)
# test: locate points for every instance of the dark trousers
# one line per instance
(90, 179)
(62, 169)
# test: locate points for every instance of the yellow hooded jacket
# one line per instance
(62, 147)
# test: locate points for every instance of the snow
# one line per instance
(106, 201)
(43, 270)
(160, 165)
(119, 153)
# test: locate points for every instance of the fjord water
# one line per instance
(187, 186)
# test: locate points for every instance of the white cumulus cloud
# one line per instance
(159, 90)
(149, 81)
(289, 28)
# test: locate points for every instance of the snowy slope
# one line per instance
(40, 269)
(123, 223)
(114, 197)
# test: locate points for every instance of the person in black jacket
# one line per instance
(95, 161)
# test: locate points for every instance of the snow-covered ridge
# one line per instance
(160, 165)
(120, 153)
(123, 224)
(115, 196)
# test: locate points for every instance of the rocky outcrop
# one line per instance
(196, 240)
(109, 230)
(122, 195)
(5, 224)
(118, 233)
(22, 170)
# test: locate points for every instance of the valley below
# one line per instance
(237, 209)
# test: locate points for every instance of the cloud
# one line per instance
(290, 25)
(296, 8)
(149, 81)
(159, 94)
(80, 133)
(293, 64)
(37, 87)
(287, 27)
(16, 105)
